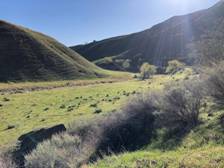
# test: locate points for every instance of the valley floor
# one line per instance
(74, 101)
(64, 102)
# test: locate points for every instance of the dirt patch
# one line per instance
(14, 89)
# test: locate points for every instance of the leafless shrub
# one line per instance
(6, 161)
(215, 84)
(128, 129)
(64, 151)
(181, 105)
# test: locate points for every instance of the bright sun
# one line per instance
(180, 2)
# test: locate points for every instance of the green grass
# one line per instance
(36, 109)
(202, 147)
(85, 99)
(205, 157)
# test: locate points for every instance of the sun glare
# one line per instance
(180, 2)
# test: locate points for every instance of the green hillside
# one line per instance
(175, 38)
(26, 55)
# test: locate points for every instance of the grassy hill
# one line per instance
(26, 55)
(175, 38)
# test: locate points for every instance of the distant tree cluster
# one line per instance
(126, 64)
(147, 70)
(174, 66)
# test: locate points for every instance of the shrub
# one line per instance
(61, 151)
(135, 76)
(128, 129)
(181, 105)
(6, 161)
(126, 64)
(147, 70)
(174, 66)
(215, 84)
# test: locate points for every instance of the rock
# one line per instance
(29, 141)
(62, 106)
(46, 109)
(70, 108)
(6, 99)
(10, 127)
(210, 114)
(97, 111)
(93, 105)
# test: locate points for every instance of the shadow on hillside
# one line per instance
(170, 139)
(222, 121)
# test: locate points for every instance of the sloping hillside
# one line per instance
(168, 40)
(29, 55)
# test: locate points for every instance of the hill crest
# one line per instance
(163, 42)
(26, 55)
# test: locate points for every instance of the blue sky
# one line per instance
(79, 21)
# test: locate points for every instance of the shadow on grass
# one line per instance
(169, 139)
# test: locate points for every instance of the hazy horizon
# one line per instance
(81, 21)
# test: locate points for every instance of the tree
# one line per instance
(147, 70)
(174, 66)
(126, 64)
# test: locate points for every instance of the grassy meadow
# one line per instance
(65, 102)
(28, 106)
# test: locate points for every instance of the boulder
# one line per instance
(29, 141)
